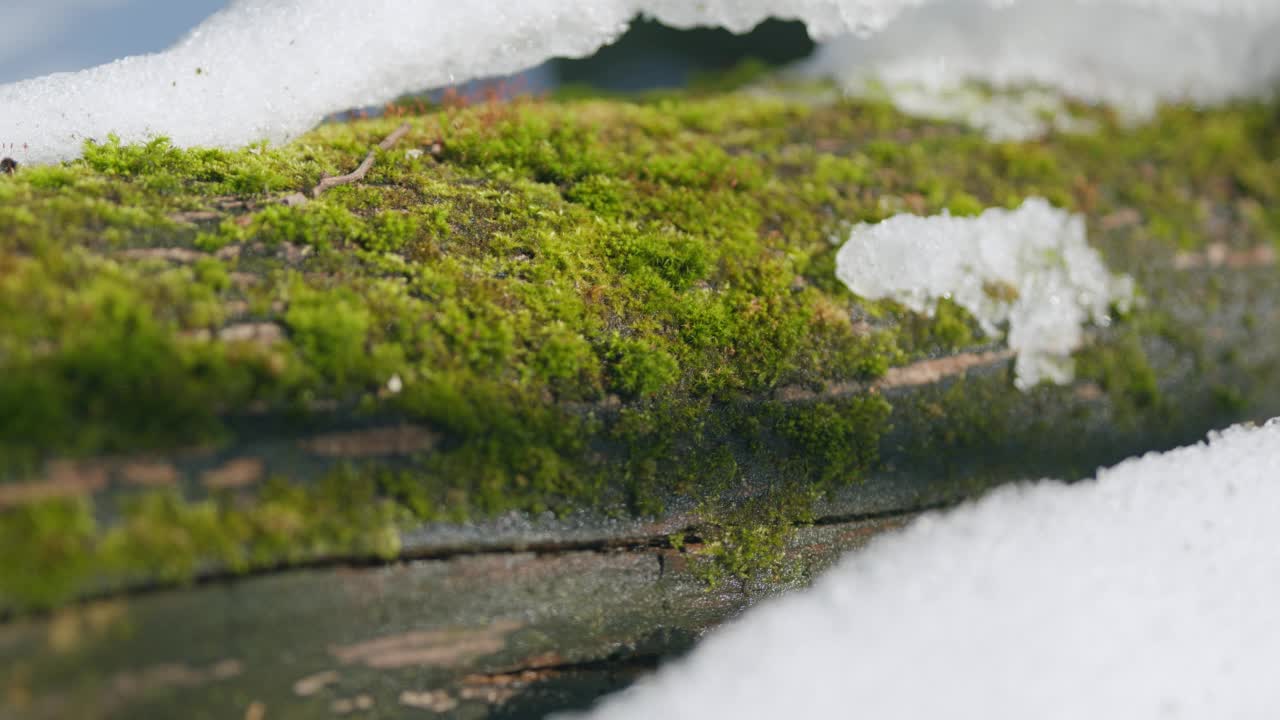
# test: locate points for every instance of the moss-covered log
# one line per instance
(561, 326)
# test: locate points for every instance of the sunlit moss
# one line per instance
(592, 302)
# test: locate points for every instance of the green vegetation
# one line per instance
(54, 549)
(562, 290)
(748, 543)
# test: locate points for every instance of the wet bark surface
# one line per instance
(490, 634)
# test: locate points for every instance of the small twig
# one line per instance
(365, 166)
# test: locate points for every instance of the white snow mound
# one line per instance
(271, 69)
(1148, 593)
(1029, 268)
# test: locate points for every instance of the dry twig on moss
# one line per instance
(359, 173)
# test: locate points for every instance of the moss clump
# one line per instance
(93, 362)
(160, 167)
(1121, 369)
(533, 267)
(748, 544)
(640, 370)
(833, 441)
(47, 553)
(55, 548)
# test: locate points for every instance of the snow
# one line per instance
(271, 69)
(1029, 268)
(1003, 114)
(1150, 592)
(1128, 57)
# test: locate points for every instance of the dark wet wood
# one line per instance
(501, 634)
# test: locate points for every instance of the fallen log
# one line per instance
(490, 429)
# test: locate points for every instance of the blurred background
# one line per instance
(38, 37)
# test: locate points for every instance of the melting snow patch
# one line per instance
(271, 69)
(1022, 114)
(1148, 593)
(1125, 55)
(1028, 268)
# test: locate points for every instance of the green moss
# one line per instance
(160, 167)
(964, 205)
(330, 330)
(161, 537)
(642, 370)
(535, 261)
(1122, 370)
(1229, 399)
(835, 440)
(97, 368)
(950, 328)
(212, 274)
(807, 449)
(47, 553)
(749, 543)
(679, 260)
